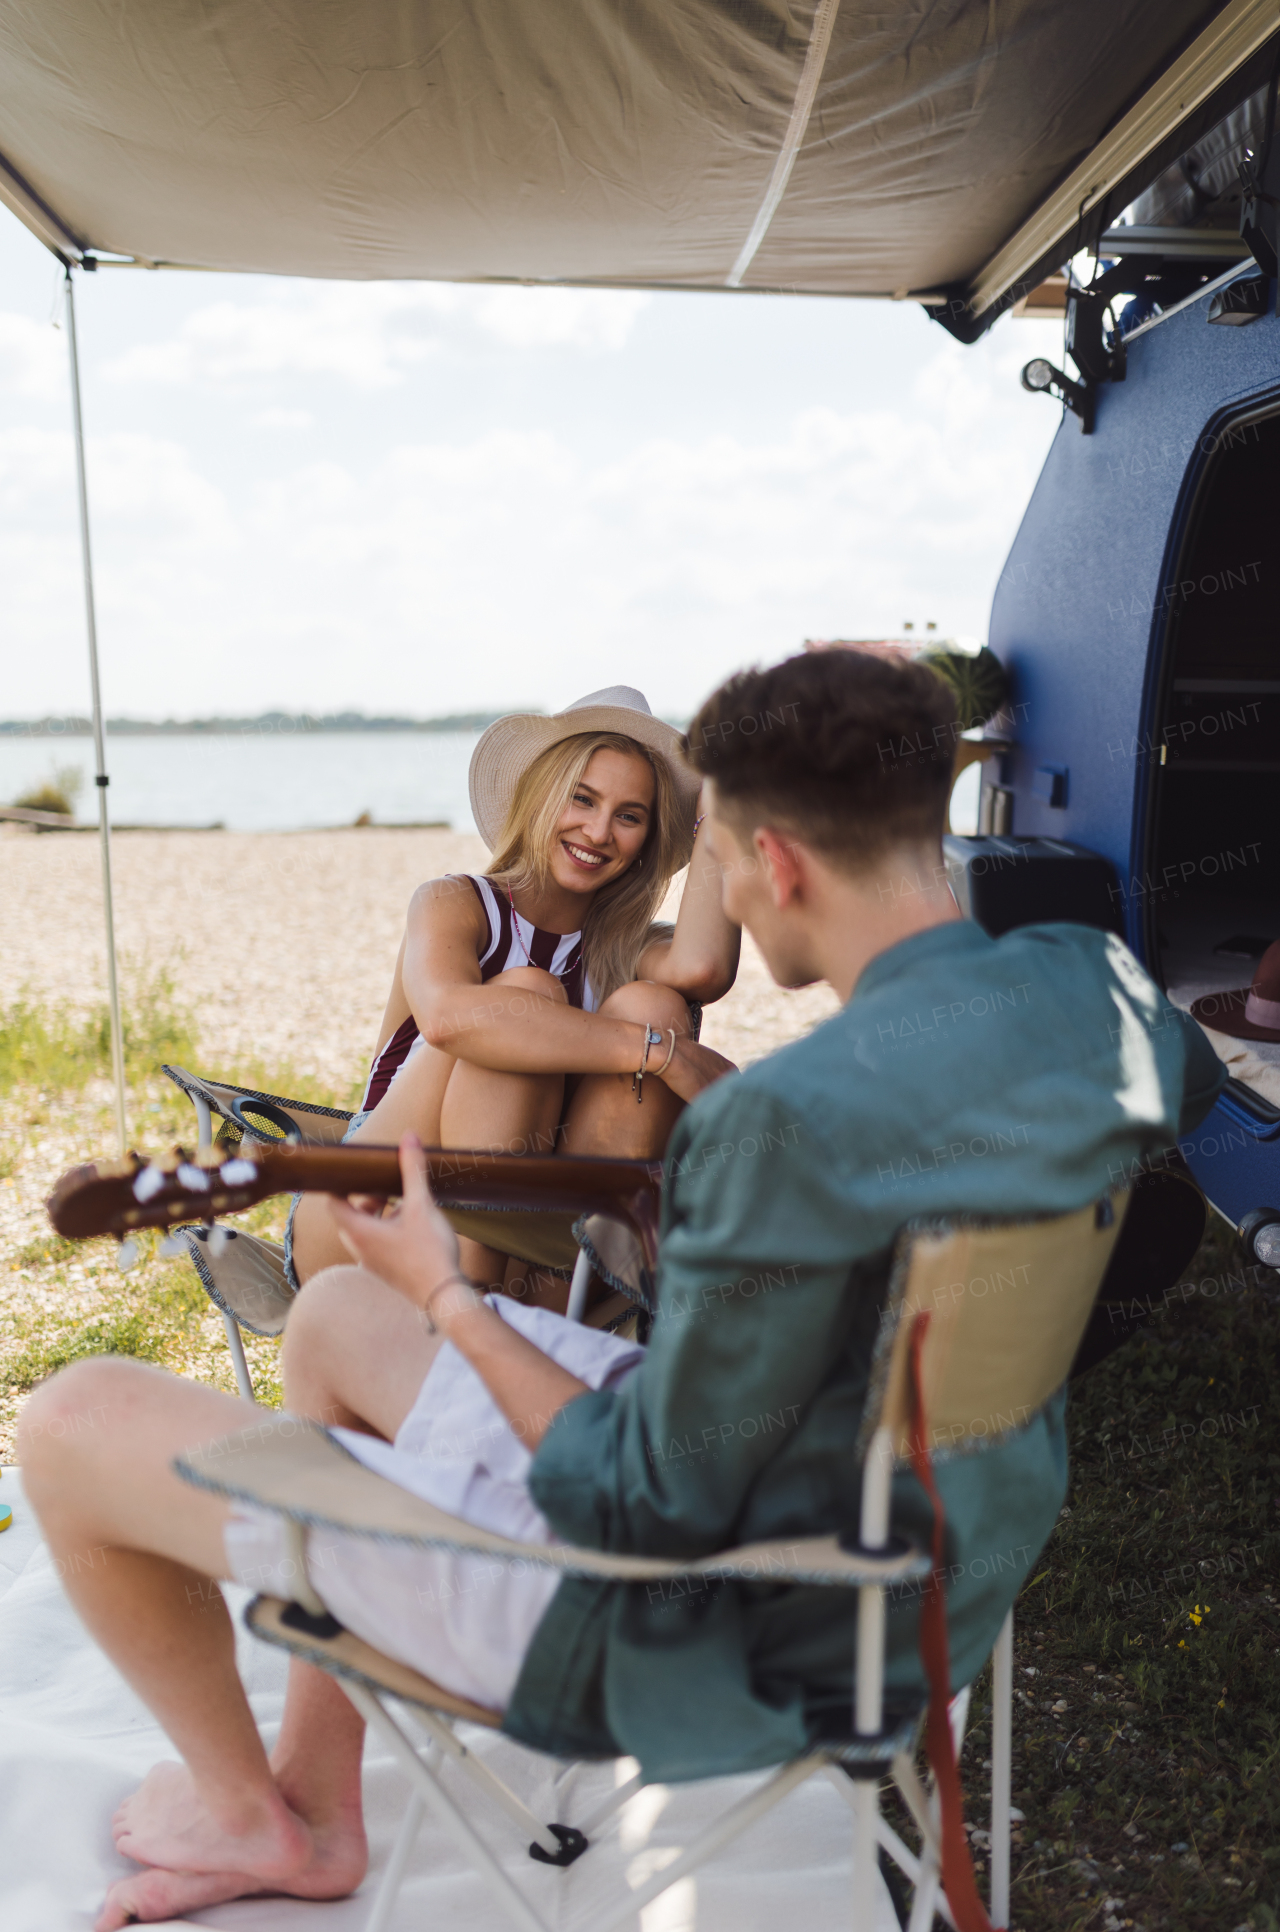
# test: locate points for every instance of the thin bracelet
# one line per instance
(652, 1038)
(443, 1282)
(671, 1054)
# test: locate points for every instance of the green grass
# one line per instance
(1152, 1616)
(55, 1049)
(71, 1301)
(57, 793)
(161, 1325)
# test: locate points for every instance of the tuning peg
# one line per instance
(127, 1256)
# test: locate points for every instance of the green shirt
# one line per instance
(999, 1077)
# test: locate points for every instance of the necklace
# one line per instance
(515, 927)
(569, 964)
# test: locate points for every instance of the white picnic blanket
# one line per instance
(74, 1740)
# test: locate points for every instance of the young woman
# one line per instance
(528, 1002)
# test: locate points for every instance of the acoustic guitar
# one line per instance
(1162, 1230)
(120, 1196)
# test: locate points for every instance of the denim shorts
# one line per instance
(356, 1121)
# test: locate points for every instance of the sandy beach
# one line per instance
(282, 944)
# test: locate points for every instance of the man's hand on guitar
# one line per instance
(413, 1248)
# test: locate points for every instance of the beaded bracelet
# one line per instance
(652, 1038)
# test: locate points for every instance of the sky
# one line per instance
(423, 498)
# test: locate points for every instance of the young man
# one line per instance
(997, 1076)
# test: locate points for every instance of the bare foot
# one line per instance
(166, 1823)
(154, 1894)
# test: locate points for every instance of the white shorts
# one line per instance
(464, 1621)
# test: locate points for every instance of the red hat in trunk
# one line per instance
(1252, 1012)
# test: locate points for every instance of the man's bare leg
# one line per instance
(136, 1548)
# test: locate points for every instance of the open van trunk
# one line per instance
(1211, 883)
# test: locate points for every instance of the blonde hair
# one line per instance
(619, 921)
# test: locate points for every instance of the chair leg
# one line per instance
(873, 1532)
(579, 1287)
(727, 1827)
(591, 1824)
(423, 1780)
(235, 1342)
(393, 1878)
(450, 1745)
(1001, 1769)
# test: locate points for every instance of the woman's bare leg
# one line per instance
(603, 1116)
(450, 1103)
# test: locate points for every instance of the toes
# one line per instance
(116, 1909)
(157, 1894)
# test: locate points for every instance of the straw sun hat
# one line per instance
(510, 745)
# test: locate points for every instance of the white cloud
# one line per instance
(276, 418)
(33, 358)
(543, 318)
(371, 334)
(147, 491)
(33, 462)
(479, 525)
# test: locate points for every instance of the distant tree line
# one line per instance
(282, 723)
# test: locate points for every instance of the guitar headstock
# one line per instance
(120, 1196)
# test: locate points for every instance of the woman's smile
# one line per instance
(582, 855)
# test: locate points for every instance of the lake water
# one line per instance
(260, 781)
(271, 782)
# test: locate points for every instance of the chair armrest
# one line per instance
(299, 1470)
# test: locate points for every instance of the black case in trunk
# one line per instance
(1002, 882)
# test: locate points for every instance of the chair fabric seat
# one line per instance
(299, 1469)
(345, 1655)
(246, 1280)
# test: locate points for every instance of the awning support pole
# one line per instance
(99, 745)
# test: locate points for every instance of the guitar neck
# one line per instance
(118, 1197)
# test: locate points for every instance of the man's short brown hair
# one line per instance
(850, 751)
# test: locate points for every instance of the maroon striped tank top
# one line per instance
(512, 942)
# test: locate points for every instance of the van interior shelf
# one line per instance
(1260, 687)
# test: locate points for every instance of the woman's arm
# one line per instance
(415, 1251)
(511, 1028)
(700, 959)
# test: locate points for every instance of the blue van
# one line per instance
(1138, 616)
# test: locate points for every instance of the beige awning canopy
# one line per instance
(848, 147)
(950, 150)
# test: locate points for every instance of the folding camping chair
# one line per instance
(981, 1323)
(244, 1274)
